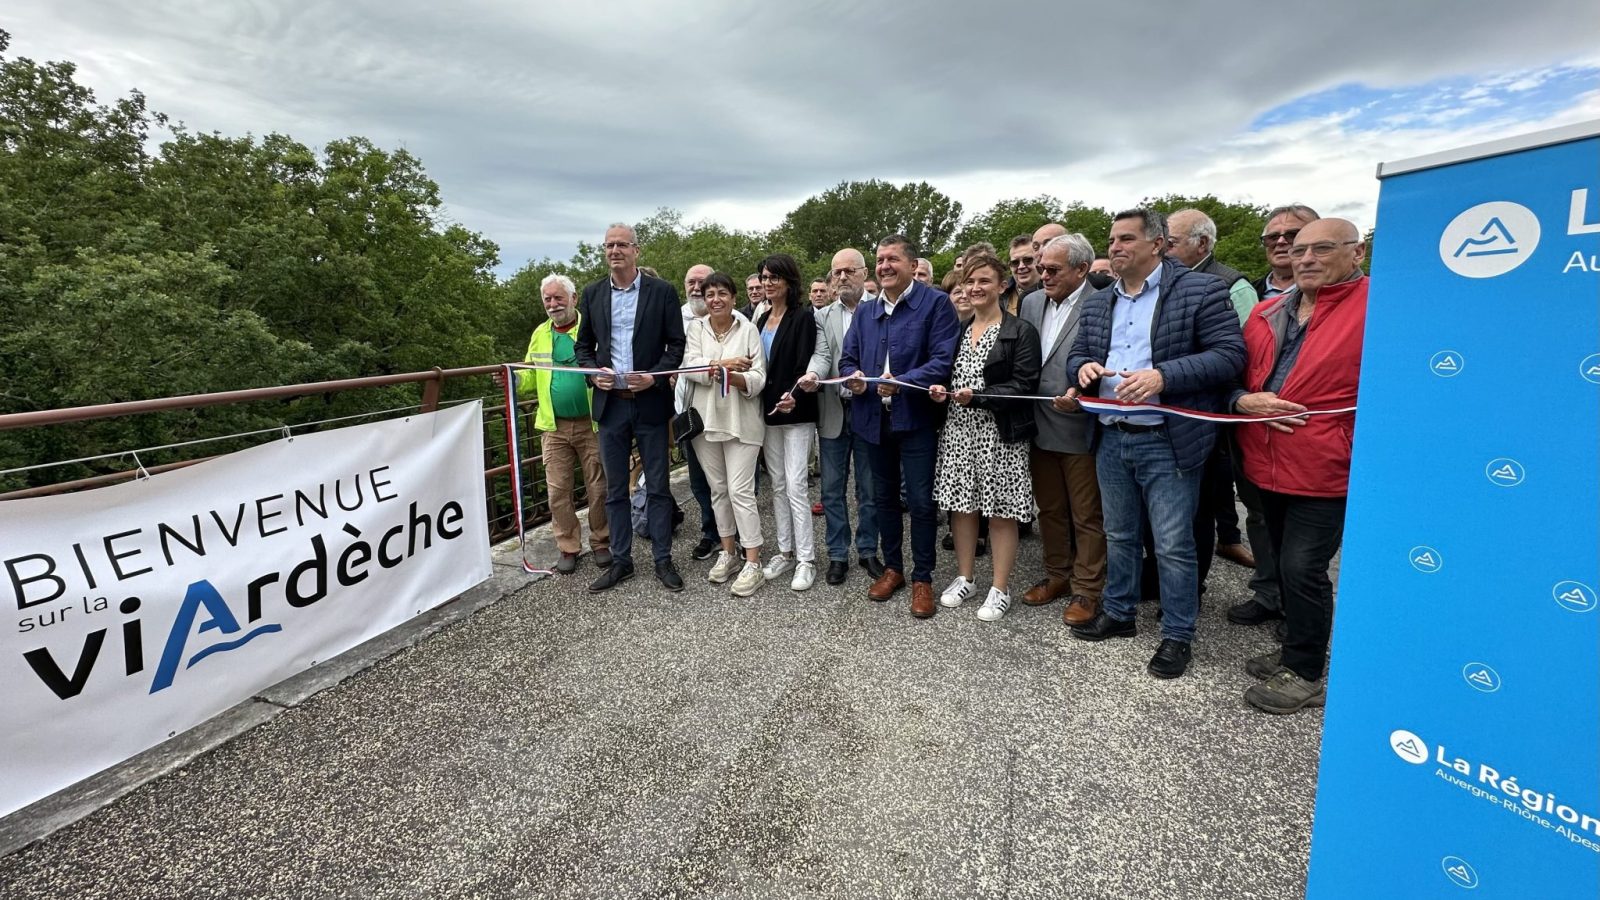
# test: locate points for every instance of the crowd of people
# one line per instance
(964, 397)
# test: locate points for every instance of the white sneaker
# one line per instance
(776, 566)
(749, 581)
(959, 592)
(995, 605)
(805, 574)
(723, 568)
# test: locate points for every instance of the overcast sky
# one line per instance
(543, 122)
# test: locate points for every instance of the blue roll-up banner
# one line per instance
(1461, 750)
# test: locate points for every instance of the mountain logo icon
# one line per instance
(1446, 364)
(1426, 559)
(1459, 872)
(1574, 596)
(1481, 677)
(1505, 472)
(1408, 746)
(1489, 239)
(1590, 368)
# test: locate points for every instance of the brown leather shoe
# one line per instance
(1237, 553)
(922, 606)
(1046, 591)
(884, 587)
(1080, 610)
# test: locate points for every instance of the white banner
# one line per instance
(135, 612)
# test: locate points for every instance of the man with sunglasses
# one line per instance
(1303, 351)
(1283, 224)
(1024, 274)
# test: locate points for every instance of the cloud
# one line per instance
(542, 122)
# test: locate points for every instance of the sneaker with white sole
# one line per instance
(776, 567)
(805, 574)
(749, 581)
(723, 568)
(995, 605)
(959, 592)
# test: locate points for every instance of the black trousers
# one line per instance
(1216, 490)
(1305, 533)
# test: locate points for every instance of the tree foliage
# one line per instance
(859, 213)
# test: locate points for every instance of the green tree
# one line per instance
(1238, 228)
(859, 213)
(1007, 219)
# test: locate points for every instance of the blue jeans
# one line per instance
(836, 455)
(701, 489)
(907, 454)
(1139, 477)
(619, 429)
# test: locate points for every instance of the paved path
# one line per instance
(645, 744)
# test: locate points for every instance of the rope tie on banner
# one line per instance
(143, 473)
(1101, 405)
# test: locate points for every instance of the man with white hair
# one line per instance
(694, 313)
(565, 425)
(924, 270)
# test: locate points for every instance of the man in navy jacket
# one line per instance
(631, 326)
(1160, 334)
(908, 331)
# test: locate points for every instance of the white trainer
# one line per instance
(995, 605)
(723, 568)
(959, 592)
(776, 566)
(749, 581)
(805, 574)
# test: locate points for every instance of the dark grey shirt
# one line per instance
(1294, 335)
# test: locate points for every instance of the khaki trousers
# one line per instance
(571, 445)
(1070, 524)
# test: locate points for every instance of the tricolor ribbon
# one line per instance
(1103, 406)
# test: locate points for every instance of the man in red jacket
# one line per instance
(1303, 351)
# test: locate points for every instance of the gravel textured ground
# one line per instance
(647, 744)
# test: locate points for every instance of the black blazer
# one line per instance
(1012, 367)
(657, 341)
(792, 348)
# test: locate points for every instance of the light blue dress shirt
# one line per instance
(1132, 320)
(624, 309)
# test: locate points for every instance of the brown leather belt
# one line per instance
(626, 394)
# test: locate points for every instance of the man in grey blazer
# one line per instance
(838, 445)
(1064, 478)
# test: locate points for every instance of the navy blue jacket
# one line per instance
(920, 339)
(1195, 344)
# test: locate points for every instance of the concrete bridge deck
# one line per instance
(646, 744)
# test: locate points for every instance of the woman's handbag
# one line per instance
(687, 425)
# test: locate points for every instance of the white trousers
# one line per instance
(730, 468)
(788, 452)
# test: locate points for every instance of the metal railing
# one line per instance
(497, 465)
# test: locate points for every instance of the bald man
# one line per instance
(694, 313)
(1045, 233)
(838, 447)
(1303, 351)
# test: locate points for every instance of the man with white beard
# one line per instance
(694, 314)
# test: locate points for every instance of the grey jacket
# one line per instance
(1059, 432)
(825, 363)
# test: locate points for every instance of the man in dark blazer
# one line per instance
(1162, 334)
(1061, 459)
(630, 327)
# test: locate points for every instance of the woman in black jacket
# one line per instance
(982, 466)
(789, 337)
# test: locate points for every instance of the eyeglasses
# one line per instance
(846, 271)
(771, 279)
(617, 245)
(1052, 270)
(1320, 249)
(1024, 261)
(1272, 237)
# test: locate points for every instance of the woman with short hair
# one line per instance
(982, 467)
(734, 428)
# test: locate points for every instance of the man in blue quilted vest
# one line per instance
(1161, 334)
